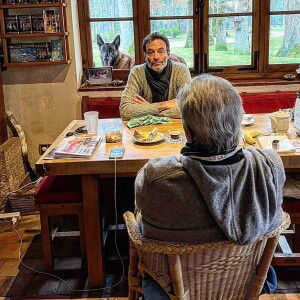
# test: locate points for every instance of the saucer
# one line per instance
(180, 140)
(247, 120)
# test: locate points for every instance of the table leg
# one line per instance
(93, 231)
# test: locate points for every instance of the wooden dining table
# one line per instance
(135, 157)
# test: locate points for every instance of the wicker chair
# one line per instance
(12, 172)
(222, 270)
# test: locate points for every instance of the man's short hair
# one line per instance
(155, 36)
(212, 109)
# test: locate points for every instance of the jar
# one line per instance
(113, 132)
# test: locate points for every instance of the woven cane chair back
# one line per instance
(12, 172)
(212, 271)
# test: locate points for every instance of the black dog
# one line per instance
(111, 56)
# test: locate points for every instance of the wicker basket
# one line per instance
(22, 201)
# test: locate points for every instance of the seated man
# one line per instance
(214, 190)
(152, 87)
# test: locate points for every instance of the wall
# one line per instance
(46, 99)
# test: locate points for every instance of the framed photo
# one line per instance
(100, 76)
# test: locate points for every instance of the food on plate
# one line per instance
(144, 136)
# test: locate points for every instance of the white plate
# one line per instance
(247, 122)
(159, 137)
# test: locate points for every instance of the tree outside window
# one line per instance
(232, 38)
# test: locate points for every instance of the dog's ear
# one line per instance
(117, 41)
(99, 40)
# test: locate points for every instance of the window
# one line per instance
(231, 38)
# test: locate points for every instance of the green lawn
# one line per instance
(219, 58)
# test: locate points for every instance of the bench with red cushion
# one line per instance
(267, 102)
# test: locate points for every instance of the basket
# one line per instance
(22, 201)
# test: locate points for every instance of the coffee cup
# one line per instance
(91, 121)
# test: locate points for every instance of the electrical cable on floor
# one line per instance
(116, 245)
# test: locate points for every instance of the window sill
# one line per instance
(92, 88)
(235, 82)
(262, 82)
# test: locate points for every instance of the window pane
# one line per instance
(230, 41)
(229, 6)
(110, 8)
(108, 31)
(287, 5)
(180, 35)
(171, 8)
(284, 45)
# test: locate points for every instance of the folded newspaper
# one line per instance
(75, 147)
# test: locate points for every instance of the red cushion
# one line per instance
(59, 189)
(267, 102)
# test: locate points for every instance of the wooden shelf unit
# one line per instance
(27, 37)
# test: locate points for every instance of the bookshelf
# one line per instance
(23, 47)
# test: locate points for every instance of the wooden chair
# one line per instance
(56, 196)
(289, 242)
(222, 270)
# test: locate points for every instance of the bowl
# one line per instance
(113, 132)
(289, 77)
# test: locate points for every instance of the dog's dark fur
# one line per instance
(111, 56)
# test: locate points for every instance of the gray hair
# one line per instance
(156, 36)
(212, 109)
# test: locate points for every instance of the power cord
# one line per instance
(33, 183)
(14, 220)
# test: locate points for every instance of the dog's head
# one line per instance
(109, 52)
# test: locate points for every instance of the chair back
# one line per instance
(17, 131)
(213, 271)
(12, 172)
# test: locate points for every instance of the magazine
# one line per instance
(75, 147)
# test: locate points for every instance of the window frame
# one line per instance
(259, 69)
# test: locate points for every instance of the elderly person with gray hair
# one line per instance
(214, 190)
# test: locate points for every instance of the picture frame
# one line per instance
(100, 76)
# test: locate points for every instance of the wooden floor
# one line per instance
(17, 282)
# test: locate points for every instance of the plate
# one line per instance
(247, 122)
(159, 137)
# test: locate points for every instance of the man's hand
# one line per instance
(167, 104)
(139, 100)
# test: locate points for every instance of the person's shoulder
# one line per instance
(163, 164)
(179, 65)
(180, 69)
(264, 154)
(137, 68)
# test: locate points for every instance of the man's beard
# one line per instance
(162, 66)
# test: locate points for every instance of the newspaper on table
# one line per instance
(75, 147)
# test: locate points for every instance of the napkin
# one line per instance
(147, 120)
